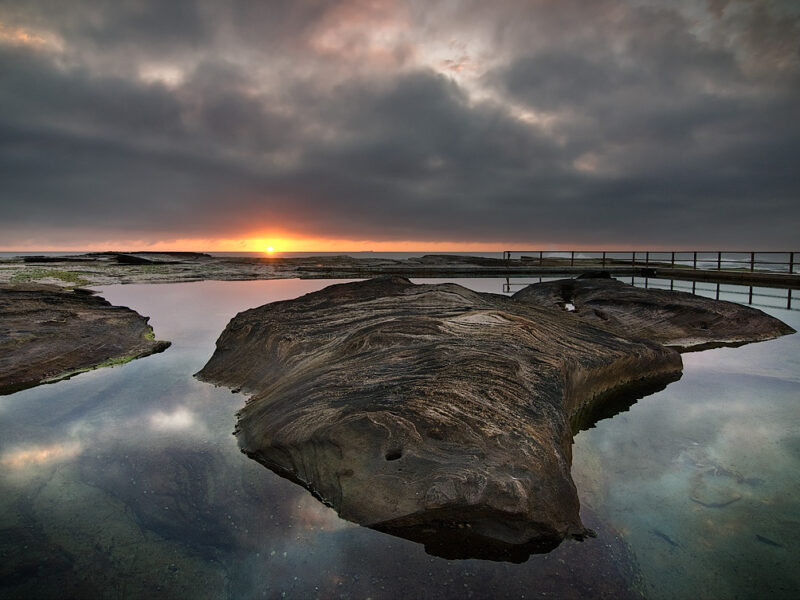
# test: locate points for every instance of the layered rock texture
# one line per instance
(676, 319)
(428, 411)
(49, 333)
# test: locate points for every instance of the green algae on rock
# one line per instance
(431, 412)
(48, 333)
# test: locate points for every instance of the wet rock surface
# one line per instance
(676, 319)
(48, 333)
(431, 412)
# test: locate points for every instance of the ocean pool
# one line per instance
(127, 482)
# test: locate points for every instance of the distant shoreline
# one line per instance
(108, 268)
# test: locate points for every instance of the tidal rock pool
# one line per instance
(127, 482)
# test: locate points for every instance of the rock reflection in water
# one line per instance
(170, 519)
(75, 521)
(692, 477)
(620, 400)
(127, 483)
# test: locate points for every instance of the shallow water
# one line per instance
(127, 482)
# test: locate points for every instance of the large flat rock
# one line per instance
(428, 411)
(676, 319)
(49, 333)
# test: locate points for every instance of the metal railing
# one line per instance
(718, 260)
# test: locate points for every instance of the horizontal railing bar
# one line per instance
(665, 251)
(628, 252)
(714, 290)
(682, 288)
(751, 291)
(677, 258)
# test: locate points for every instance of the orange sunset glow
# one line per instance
(268, 244)
(284, 242)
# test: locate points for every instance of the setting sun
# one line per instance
(270, 249)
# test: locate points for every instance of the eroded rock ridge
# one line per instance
(677, 319)
(429, 411)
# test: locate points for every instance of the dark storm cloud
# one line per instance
(613, 122)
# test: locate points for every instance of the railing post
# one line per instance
(752, 266)
(673, 261)
(695, 263)
(646, 261)
(719, 262)
(791, 263)
(604, 259)
(633, 259)
(789, 299)
(572, 259)
(540, 258)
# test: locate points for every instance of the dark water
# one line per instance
(127, 483)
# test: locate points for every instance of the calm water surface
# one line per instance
(127, 482)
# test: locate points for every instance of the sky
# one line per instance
(392, 125)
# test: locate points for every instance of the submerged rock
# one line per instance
(676, 319)
(431, 412)
(49, 333)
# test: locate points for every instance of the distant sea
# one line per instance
(362, 254)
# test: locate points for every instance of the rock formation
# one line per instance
(676, 319)
(49, 333)
(428, 411)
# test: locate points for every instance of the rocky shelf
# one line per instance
(437, 413)
(428, 411)
(48, 333)
(676, 319)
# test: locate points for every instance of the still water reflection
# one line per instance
(127, 482)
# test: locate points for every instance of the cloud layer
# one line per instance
(595, 124)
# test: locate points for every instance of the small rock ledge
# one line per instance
(49, 333)
(676, 319)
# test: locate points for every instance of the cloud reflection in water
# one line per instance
(36, 455)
